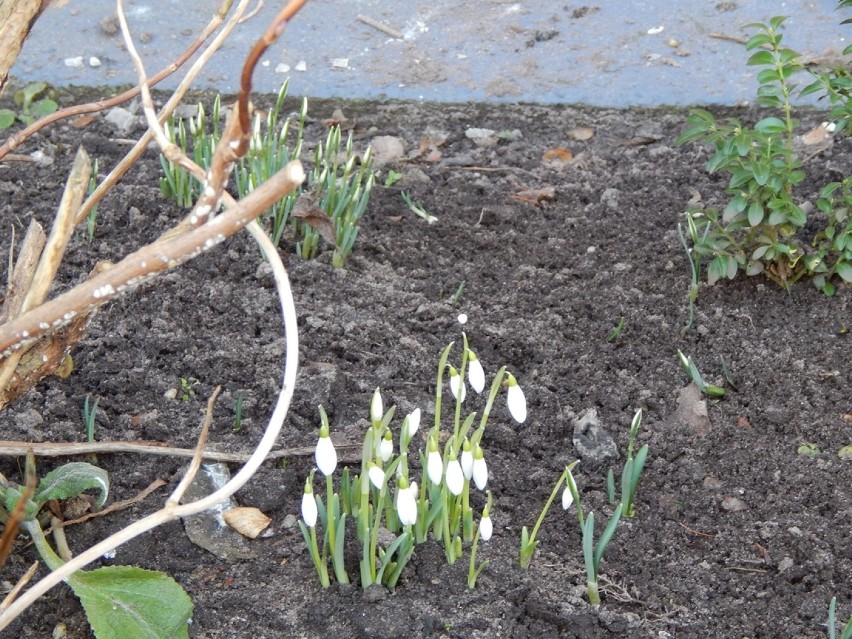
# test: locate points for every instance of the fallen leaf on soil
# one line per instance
(847, 417)
(247, 521)
(559, 153)
(83, 120)
(580, 133)
(816, 135)
(536, 196)
(742, 422)
(337, 118)
(306, 210)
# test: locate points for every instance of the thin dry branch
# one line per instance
(198, 454)
(59, 449)
(23, 581)
(146, 263)
(20, 137)
(130, 159)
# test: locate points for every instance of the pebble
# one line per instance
(75, 62)
(733, 504)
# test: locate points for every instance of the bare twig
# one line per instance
(130, 159)
(195, 464)
(23, 581)
(19, 138)
(393, 33)
(60, 449)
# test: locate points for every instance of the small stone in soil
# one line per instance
(593, 443)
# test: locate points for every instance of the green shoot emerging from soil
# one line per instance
(329, 206)
(32, 106)
(694, 374)
(759, 230)
(388, 528)
(846, 633)
(119, 601)
(89, 412)
(593, 553)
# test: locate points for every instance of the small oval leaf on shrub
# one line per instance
(72, 479)
(761, 57)
(844, 270)
(754, 267)
(755, 214)
(771, 125)
(126, 601)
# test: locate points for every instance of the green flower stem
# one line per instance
(439, 387)
(528, 548)
(47, 553)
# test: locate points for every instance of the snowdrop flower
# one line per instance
(406, 502)
(567, 498)
(455, 477)
(515, 399)
(325, 455)
(475, 374)
(386, 446)
(486, 528)
(480, 469)
(309, 506)
(377, 410)
(376, 475)
(413, 422)
(462, 318)
(456, 383)
(467, 460)
(434, 463)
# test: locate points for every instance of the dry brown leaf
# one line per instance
(560, 154)
(247, 521)
(581, 133)
(816, 135)
(536, 196)
(306, 209)
(83, 120)
(337, 118)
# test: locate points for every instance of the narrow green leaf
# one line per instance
(125, 602)
(588, 548)
(608, 532)
(72, 479)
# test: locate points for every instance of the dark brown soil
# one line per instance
(544, 287)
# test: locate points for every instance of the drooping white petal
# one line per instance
(309, 509)
(456, 382)
(455, 477)
(434, 467)
(385, 448)
(517, 403)
(377, 476)
(325, 456)
(467, 463)
(406, 506)
(377, 409)
(480, 470)
(486, 528)
(475, 374)
(413, 421)
(567, 499)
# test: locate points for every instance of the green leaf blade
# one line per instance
(72, 479)
(126, 602)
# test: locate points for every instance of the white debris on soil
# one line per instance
(482, 137)
(656, 30)
(74, 63)
(94, 62)
(301, 65)
(340, 63)
(121, 119)
(282, 68)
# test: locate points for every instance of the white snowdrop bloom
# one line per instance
(377, 476)
(377, 409)
(386, 447)
(475, 374)
(486, 528)
(480, 469)
(325, 455)
(567, 498)
(434, 466)
(406, 503)
(515, 399)
(309, 507)
(456, 383)
(413, 421)
(462, 318)
(467, 460)
(455, 477)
